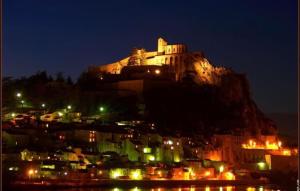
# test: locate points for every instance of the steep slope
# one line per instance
(217, 100)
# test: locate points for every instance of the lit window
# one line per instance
(170, 142)
(92, 136)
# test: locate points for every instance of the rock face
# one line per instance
(205, 72)
(218, 100)
(214, 97)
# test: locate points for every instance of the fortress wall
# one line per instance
(161, 59)
(151, 54)
(173, 55)
(154, 61)
(175, 49)
(114, 68)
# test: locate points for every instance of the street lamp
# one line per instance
(30, 173)
(22, 103)
(43, 106)
(19, 95)
(69, 107)
(101, 109)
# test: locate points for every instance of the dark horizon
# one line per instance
(256, 38)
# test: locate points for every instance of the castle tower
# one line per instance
(161, 43)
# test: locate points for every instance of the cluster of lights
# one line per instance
(191, 173)
(286, 152)
(169, 142)
(116, 173)
(250, 189)
(62, 137)
(31, 172)
(92, 135)
(227, 188)
(191, 143)
(48, 166)
(136, 174)
(13, 168)
(136, 189)
(229, 176)
(274, 147)
(270, 146)
(126, 136)
(19, 96)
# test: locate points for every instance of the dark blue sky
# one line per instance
(255, 37)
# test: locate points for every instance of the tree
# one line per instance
(87, 81)
(69, 81)
(60, 77)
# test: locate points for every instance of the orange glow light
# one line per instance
(267, 146)
(207, 173)
(229, 176)
(30, 172)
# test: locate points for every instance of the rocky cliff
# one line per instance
(216, 99)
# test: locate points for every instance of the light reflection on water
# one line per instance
(192, 188)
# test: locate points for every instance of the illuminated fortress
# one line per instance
(171, 59)
(172, 55)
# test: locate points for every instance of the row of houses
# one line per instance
(108, 146)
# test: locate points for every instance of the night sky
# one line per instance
(256, 37)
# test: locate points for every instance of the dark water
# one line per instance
(192, 188)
